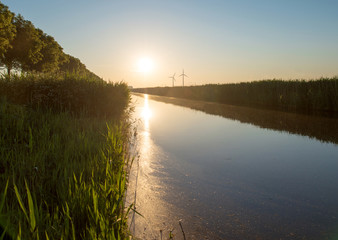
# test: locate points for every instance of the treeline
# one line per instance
(314, 96)
(25, 48)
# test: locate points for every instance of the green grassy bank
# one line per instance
(315, 96)
(63, 158)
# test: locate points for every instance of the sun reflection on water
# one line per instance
(147, 191)
(146, 113)
(146, 143)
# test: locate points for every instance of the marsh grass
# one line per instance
(62, 167)
(76, 94)
(313, 96)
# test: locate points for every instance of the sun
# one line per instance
(145, 65)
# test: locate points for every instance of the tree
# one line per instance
(52, 55)
(7, 28)
(26, 47)
(73, 65)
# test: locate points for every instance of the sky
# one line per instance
(214, 41)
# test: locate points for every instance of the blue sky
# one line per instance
(215, 41)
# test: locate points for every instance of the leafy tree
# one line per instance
(52, 55)
(7, 28)
(26, 47)
(73, 65)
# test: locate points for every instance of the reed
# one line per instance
(73, 93)
(63, 166)
(313, 96)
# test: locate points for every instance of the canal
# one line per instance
(226, 172)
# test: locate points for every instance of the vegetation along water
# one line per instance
(314, 96)
(65, 134)
(63, 141)
(62, 163)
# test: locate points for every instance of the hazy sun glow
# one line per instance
(145, 65)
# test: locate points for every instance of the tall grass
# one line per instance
(312, 96)
(62, 163)
(67, 92)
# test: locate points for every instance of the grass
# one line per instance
(63, 165)
(314, 96)
(76, 94)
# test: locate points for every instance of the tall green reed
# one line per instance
(68, 176)
(320, 95)
(65, 165)
(76, 94)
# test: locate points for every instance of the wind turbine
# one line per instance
(173, 78)
(183, 75)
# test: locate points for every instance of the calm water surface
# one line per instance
(224, 179)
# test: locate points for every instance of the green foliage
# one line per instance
(25, 47)
(63, 154)
(67, 92)
(52, 55)
(72, 65)
(302, 96)
(28, 49)
(7, 28)
(66, 175)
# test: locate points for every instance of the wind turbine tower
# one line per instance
(183, 75)
(173, 78)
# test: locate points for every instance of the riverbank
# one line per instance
(312, 97)
(64, 158)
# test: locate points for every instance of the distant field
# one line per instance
(314, 96)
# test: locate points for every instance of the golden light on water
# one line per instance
(146, 113)
(147, 191)
(146, 144)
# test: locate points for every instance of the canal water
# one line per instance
(226, 172)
